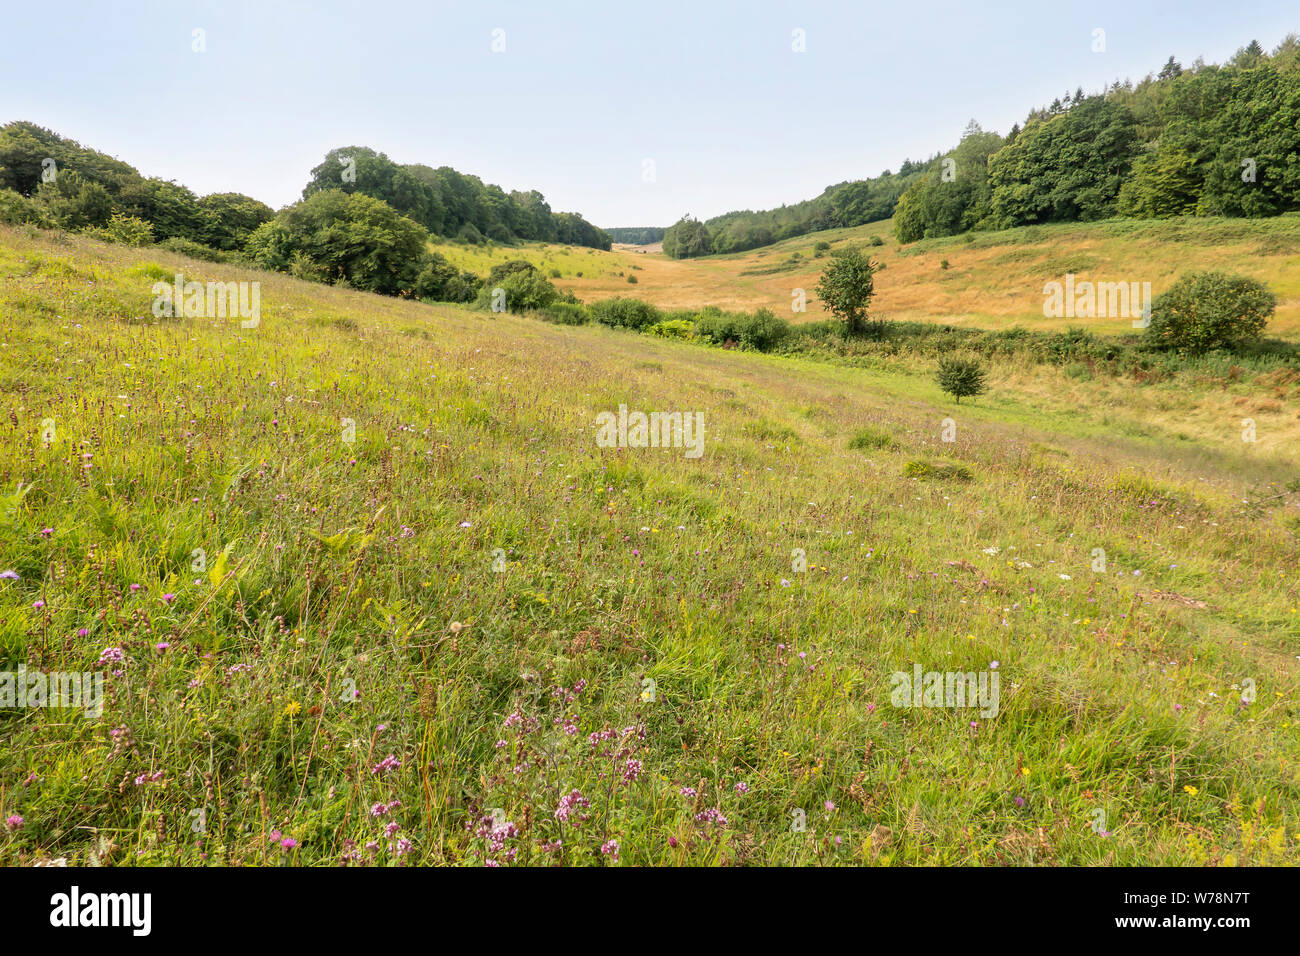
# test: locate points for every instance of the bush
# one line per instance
(761, 331)
(821, 248)
(124, 230)
(525, 289)
(16, 209)
(1210, 310)
(632, 280)
(960, 377)
(195, 250)
(875, 241)
(625, 313)
(566, 313)
(440, 281)
(336, 235)
(674, 329)
(498, 273)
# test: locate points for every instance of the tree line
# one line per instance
(1204, 140)
(452, 204)
(845, 204)
(54, 181)
(637, 235)
(363, 221)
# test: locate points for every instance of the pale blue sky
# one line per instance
(584, 92)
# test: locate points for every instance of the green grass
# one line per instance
(472, 554)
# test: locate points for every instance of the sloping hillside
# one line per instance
(365, 564)
(993, 280)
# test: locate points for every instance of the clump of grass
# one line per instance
(871, 438)
(764, 430)
(150, 270)
(924, 470)
(1141, 489)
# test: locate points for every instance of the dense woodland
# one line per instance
(83, 188)
(448, 203)
(637, 235)
(54, 181)
(1201, 140)
(364, 221)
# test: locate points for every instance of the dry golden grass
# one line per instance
(995, 280)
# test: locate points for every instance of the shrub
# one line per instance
(555, 273)
(343, 235)
(632, 280)
(625, 313)
(498, 273)
(195, 250)
(674, 329)
(524, 290)
(875, 241)
(1075, 342)
(16, 209)
(440, 281)
(821, 248)
(1210, 310)
(124, 230)
(960, 377)
(566, 313)
(762, 330)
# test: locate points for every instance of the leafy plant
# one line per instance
(1210, 310)
(846, 287)
(961, 378)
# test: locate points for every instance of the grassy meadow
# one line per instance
(366, 590)
(993, 280)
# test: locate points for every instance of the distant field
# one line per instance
(368, 591)
(995, 280)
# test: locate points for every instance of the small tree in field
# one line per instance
(960, 378)
(846, 287)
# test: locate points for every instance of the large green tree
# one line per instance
(687, 238)
(345, 236)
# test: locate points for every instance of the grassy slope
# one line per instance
(993, 281)
(1119, 691)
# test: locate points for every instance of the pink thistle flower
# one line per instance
(388, 763)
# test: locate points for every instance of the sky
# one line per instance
(630, 113)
